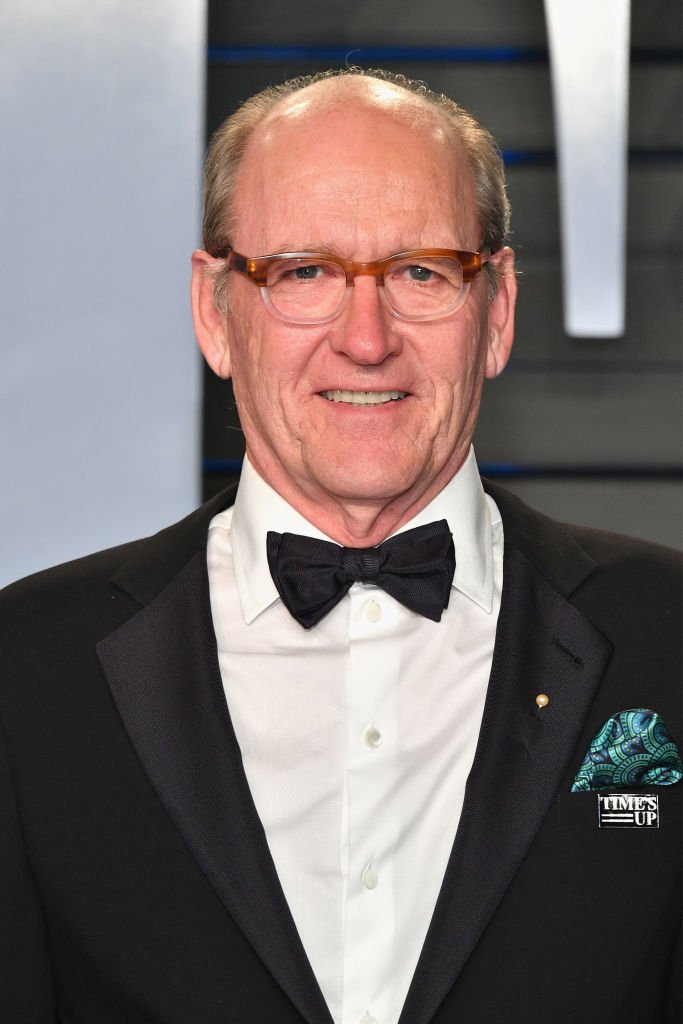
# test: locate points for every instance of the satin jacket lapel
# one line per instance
(543, 645)
(162, 667)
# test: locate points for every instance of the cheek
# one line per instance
(461, 361)
(269, 368)
(457, 380)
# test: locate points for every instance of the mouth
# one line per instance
(363, 397)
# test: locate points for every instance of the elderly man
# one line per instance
(350, 744)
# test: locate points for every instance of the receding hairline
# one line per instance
(356, 92)
(364, 90)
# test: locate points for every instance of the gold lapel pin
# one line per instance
(542, 701)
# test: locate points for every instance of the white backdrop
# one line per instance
(589, 51)
(101, 110)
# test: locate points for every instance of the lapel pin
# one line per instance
(542, 701)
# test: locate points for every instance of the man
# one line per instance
(252, 777)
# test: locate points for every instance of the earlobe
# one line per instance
(501, 314)
(210, 324)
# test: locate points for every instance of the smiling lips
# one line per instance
(363, 397)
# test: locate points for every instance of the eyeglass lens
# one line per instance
(315, 289)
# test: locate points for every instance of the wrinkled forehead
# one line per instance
(365, 134)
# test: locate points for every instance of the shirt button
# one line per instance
(373, 737)
(373, 611)
(370, 877)
(367, 1018)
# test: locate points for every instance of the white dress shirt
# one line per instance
(357, 736)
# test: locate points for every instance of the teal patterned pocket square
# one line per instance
(633, 748)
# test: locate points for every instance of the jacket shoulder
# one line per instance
(615, 549)
(540, 535)
(58, 587)
(154, 560)
(91, 596)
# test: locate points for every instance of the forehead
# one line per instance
(359, 158)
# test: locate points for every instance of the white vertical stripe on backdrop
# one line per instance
(589, 50)
(101, 109)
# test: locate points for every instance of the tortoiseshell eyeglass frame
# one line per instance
(256, 269)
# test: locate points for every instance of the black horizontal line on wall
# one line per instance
(219, 467)
(510, 469)
(547, 157)
(410, 54)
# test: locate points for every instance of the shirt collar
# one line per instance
(462, 503)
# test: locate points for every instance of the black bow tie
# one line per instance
(312, 576)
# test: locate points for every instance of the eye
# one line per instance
(289, 273)
(418, 273)
(411, 274)
(308, 273)
(432, 274)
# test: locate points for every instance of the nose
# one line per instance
(365, 332)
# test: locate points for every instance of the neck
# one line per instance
(352, 521)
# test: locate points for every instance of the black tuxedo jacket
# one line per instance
(136, 884)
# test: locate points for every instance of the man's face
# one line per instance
(364, 182)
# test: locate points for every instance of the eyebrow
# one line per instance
(306, 247)
(327, 250)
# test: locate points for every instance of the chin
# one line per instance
(366, 479)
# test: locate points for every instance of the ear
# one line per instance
(501, 313)
(210, 325)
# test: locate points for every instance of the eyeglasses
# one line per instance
(314, 287)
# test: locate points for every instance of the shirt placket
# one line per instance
(372, 825)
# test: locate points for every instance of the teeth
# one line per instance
(364, 397)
